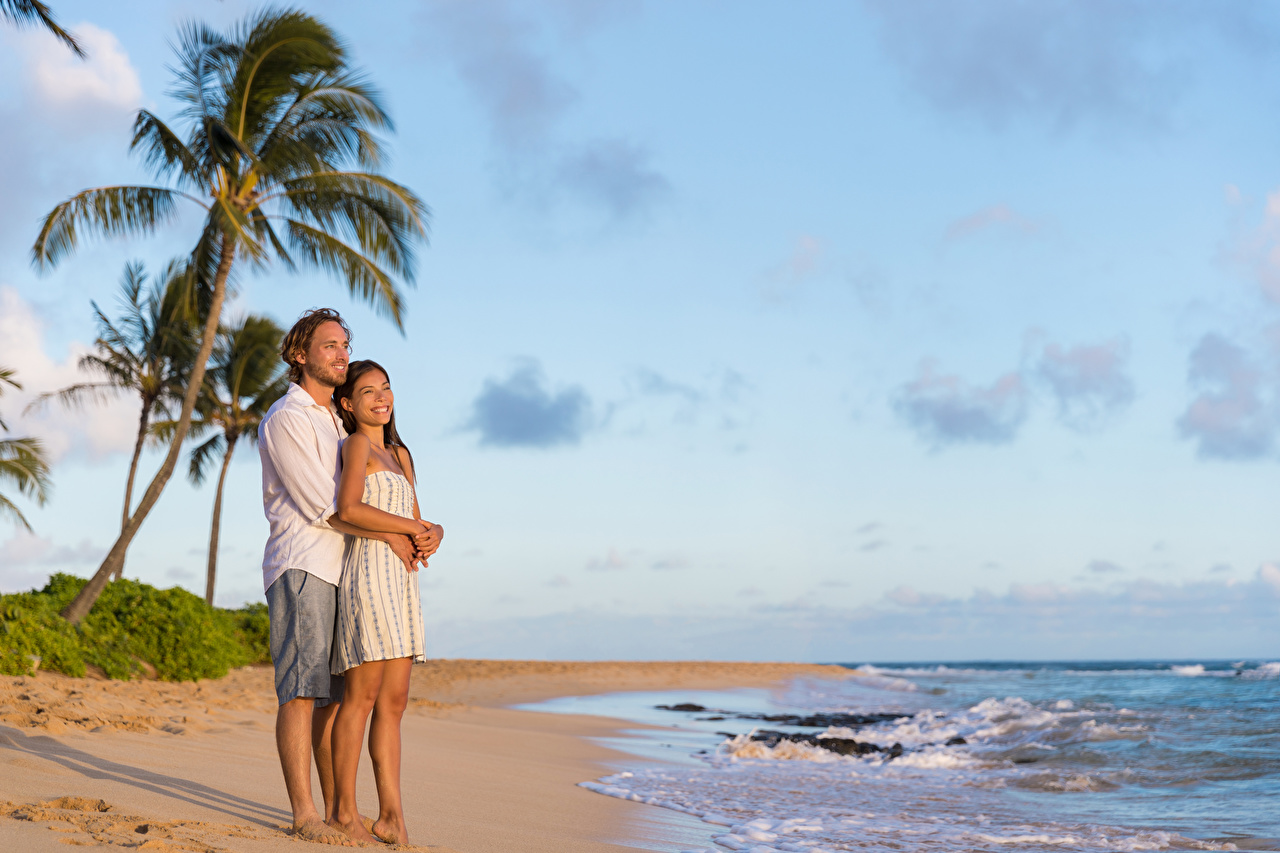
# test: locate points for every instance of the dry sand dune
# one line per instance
(192, 767)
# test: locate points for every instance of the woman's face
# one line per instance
(371, 400)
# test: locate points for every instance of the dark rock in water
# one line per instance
(846, 746)
(707, 719)
(957, 741)
(822, 721)
(895, 750)
(838, 745)
(811, 721)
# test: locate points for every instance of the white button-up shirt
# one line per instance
(298, 441)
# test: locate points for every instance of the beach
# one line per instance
(192, 766)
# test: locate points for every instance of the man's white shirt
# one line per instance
(298, 441)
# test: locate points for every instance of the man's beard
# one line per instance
(324, 375)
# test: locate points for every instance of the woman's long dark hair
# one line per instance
(390, 437)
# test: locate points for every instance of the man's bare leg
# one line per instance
(384, 749)
(322, 747)
(293, 742)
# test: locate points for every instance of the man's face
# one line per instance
(325, 360)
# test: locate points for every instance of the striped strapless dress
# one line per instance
(379, 607)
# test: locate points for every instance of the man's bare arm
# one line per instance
(402, 546)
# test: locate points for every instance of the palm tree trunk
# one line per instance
(143, 421)
(217, 522)
(80, 605)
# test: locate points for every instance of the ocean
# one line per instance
(1077, 755)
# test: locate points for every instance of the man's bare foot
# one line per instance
(353, 831)
(391, 831)
(318, 832)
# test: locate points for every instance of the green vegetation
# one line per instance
(133, 627)
(22, 462)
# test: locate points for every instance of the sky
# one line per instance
(831, 331)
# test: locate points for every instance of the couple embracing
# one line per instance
(340, 571)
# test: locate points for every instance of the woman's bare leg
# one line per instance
(364, 683)
(384, 749)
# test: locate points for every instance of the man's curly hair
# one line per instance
(299, 337)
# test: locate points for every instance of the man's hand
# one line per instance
(428, 541)
(404, 548)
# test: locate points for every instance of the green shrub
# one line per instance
(130, 625)
(254, 630)
(30, 627)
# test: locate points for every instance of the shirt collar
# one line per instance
(298, 396)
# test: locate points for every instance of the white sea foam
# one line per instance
(1266, 670)
(816, 809)
(1190, 670)
(883, 682)
(743, 746)
(1000, 790)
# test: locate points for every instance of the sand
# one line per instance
(192, 767)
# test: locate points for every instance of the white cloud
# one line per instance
(1269, 573)
(63, 80)
(1089, 382)
(610, 562)
(944, 409)
(1063, 62)
(505, 54)
(908, 596)
(1046, 621)
(111, 429)
(1256, 250)
(1234, 414)
(65, 125)
(998, 215)
(26, 560)
(804, 262)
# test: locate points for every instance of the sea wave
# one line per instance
(855, 818)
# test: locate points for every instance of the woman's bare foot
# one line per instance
(353, 830)
(318, 832)
(391, 830)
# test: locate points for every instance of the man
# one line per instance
(299, 442)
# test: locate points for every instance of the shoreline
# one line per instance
(194, 764)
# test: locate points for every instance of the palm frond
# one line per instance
(202, 455)
(239, 226)
(330, 113)
(75, 396)
(113, 211)
(165, 153)
(364, 278)
(35, 12)
(22, 463)
(6, 378)
(281, 48)
(318, 194)
(204, 56)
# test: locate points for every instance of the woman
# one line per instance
(379, 633)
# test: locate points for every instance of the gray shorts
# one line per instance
(303, 611)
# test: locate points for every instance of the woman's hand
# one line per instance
(428, 541)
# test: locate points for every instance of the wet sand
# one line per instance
(193, 767)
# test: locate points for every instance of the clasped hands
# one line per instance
(414, 550)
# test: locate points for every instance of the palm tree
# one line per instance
(33, 11)
(274, 116)
(146, 351)
(22, 462)
(244, 378)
